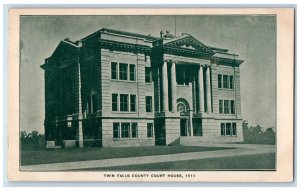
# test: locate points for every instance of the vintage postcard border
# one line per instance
(285, 103)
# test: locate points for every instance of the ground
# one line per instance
(209, 157)
(257, 162)
(68, 155)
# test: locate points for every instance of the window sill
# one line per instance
(123, 139)
(230, 114)
(148, 83)
(228, 135)
(126, 81)
(128, 112)
(226, 89)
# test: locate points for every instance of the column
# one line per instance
(201, 89)
(173, 82)
(80, 134)
(208, 90)
(87, 108)
(165, 87)
(92, 109)
(191, 123)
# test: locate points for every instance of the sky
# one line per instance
(253, 38)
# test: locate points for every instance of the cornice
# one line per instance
(122, 46)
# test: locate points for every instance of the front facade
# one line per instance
(116, 88)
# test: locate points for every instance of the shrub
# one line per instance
(31, 141)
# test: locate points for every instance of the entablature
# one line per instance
(183, 59)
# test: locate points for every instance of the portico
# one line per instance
(185, 94)
(201, 78)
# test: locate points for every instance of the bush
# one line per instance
(32, 141)
(256, 135)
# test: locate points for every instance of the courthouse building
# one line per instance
(117, 88)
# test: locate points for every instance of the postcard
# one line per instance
(151, 95)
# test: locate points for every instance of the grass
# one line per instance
(248, 162)
(84, 154)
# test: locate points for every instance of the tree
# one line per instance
(31, 141)
(256, 135)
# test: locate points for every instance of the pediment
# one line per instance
(188, 42)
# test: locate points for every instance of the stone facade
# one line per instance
(116, 88)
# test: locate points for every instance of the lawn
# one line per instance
(84, 154)
(248, 162)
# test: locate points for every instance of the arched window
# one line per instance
(183, 106)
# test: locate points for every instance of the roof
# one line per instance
(66, 43)
(215, 49)
(137, 35)
(153, 38)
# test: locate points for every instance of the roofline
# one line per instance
(220, 49)
(129, 33)
(235, 60)
(90, 35)
(226, 53)
(71, 43)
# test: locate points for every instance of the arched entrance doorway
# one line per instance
(185, 122)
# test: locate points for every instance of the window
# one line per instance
(232, 107)
(219, 80)
(226, 106)
(149, 130)
(222, 128)
(148, 104)
(220, 106)
(134, 130)
(125, 130)
(228, 128)
(132, 103)
(93, 104)
(116, 130)
(114, 72)
(225, 81)
(182, 75)
(148, 76)
(233, 128)
(132, 72)
(123, 102)
(123, 69)
(114, 102)
(231, 82)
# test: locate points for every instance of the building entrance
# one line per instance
(185, 120)
(184, 127)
